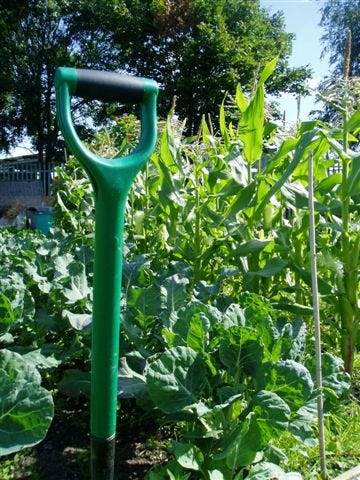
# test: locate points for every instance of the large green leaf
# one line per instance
(61, 265)
(131, 383)
(272, 267)
(352, 186)
(234, 316)
(188, 456)
(12, 285)
(269, 417)
(333, 374)
(302, 424)
(173, 292)
(241, 351)
(291, 381)
(250, 247)
(240, 99)
(223, 127)
(242, 201)
(301, 149)
(75, 284)
(329, 183)
(209, 316)
(268, 70)
(79, 321)
(286, 147)
(272, 411)
(216, 475)
(197, 335)
(251, 125)
(26, 407)
(293, 307)
(291, 341)
(176, 379)
(39, 359)
(7, 316)
(241, 446)
(145, 299)
(266, 471)
(353, 124)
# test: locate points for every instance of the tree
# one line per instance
(200, 49)
(196, 49)
(33, 42)
(337, 18)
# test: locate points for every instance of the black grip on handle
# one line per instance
(109, 86)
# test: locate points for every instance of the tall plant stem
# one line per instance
(197, 236)
(249, 172)
(347, 302)
(345, 202)
(315, 296)
(147, 204)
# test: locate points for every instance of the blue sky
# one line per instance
(302, 17)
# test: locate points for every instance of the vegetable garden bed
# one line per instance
(217, 335)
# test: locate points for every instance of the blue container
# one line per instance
(43, 221)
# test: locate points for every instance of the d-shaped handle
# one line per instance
(104, 86)
(107, 86)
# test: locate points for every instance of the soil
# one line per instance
(65, 454)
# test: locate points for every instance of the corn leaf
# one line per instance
(301, 147)
(353, 181)
(268, 70)
(240, 99)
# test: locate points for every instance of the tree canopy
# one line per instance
(33, 42)
(196, 49)
(338, 17)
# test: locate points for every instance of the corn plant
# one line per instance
(234, 207)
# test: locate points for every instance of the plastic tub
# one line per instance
(43, 221)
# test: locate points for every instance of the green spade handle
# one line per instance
(111, 179)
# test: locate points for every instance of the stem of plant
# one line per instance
(197, 237)
(347, 301)
(315, 296)
(249, 173)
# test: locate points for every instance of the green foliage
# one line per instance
(26, 407)
(211, 231)
(227, 375)
(171, 42)
(237, 49)
(74, 206)
(40, 281)
(33, 43)
(237, 213)
(233, 376)
(337, 19)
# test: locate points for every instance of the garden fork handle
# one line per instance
(112, 179)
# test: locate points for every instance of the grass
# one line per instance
(18, 466)
(342, 434)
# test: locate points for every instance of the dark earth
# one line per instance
(65, 455)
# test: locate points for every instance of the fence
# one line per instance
(26, 171)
